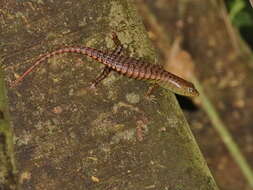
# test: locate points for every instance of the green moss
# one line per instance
(133, 98)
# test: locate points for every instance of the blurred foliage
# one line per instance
(240, 12)
(241, 15)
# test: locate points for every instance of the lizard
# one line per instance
(128, 66)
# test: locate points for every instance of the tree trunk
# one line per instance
(68, 137)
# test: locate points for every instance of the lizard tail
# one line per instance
(81, 50)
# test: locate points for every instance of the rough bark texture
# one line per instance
(68, 137)
(224, 67)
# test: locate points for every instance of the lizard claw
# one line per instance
(92, 87)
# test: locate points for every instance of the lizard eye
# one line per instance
(190, 90)
(193, 91)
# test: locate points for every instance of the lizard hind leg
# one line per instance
(119, 46)
(106, 71)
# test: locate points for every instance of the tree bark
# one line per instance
(68, 137)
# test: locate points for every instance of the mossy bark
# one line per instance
(68, 137)
(8, 180)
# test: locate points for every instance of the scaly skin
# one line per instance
(124, 65)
